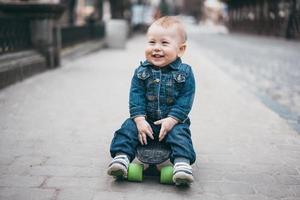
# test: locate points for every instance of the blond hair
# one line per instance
(170, 21)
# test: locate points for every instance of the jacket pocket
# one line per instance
(143, 74)
(179, 77)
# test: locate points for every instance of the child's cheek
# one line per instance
(147, 51)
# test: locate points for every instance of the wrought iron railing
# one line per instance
(294, 26)
(71, 35)
(267, 17)
(14, 35)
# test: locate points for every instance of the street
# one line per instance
(269, 67)
(56, 128)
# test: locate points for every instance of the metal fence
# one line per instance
(267, 17)
(71, 35)
(14, 35)
(31, 38)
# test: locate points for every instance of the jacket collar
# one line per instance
(174, 65)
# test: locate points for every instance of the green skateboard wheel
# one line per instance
(135, 172)
(166, 175)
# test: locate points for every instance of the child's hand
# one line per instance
(166, 125)
(144, 129)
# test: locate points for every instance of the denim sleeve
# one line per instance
(137, 97)
(183, 104)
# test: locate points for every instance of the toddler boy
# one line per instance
(161, 97)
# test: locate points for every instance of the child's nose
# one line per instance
(157, 47)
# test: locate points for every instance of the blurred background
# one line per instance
(56, 126)
(254, 41)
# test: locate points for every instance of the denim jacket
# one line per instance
(160, 92)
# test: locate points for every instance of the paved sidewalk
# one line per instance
(56, 127)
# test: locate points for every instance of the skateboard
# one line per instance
(152, 154)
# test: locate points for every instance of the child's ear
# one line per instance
(182, 48)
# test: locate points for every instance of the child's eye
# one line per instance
(165, 42)
(151, 42)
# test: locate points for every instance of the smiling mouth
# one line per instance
(157, 56)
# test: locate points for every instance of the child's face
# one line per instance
(164, 45)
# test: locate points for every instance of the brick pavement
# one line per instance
(55, 130)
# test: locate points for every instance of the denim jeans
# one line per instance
(126, 140)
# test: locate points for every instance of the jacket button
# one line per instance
(156, 80)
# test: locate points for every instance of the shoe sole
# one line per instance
(182, 182)
(117, 174)
(118, 171)
(182, 178)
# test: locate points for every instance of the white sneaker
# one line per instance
(118, 166)
(182, 174)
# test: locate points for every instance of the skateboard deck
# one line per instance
(152, 154)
